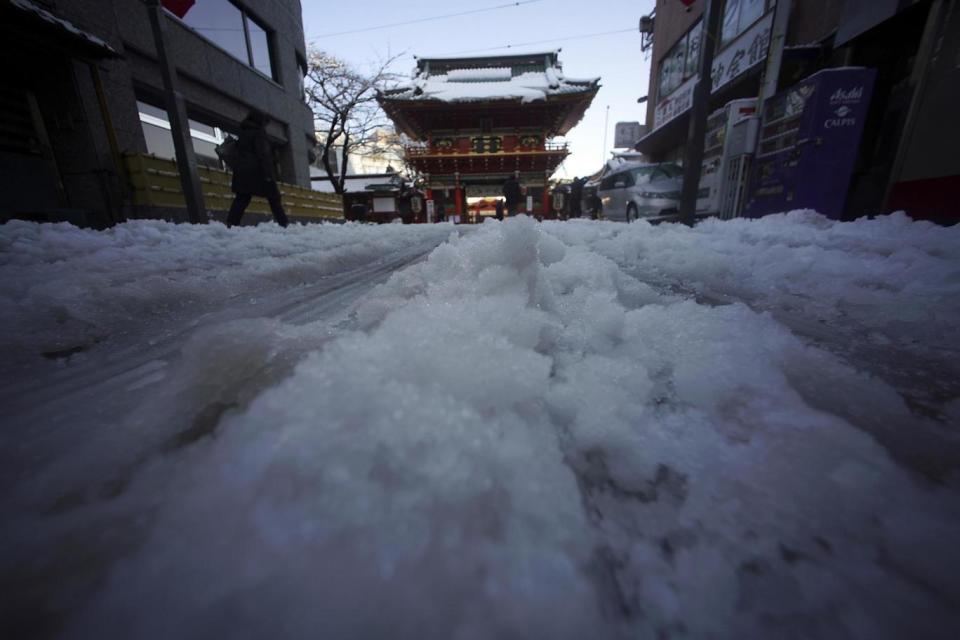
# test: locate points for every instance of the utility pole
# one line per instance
(693, 154)
(179, 124)
(606, 126)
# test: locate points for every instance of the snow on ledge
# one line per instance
(46, 16)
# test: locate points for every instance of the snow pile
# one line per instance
(520, 437)
(890, 281)
(65, 288)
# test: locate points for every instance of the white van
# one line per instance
(634, 191)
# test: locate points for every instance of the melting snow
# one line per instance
(562, 430)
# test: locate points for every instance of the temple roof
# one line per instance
(524, 77)
(496, 81)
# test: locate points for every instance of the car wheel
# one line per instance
(632, 212)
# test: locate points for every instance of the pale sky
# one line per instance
(538, 25)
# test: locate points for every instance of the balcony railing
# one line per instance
(412, 151)
(156, 183)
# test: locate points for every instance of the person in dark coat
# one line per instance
(512, 195)
(576, 193)
(499, 209)
(254, 173)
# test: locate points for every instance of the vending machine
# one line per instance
(729, 143)
(808, 143)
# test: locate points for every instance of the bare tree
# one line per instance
(345, 108)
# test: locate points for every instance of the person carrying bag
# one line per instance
(253, 170)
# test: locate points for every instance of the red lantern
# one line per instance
(688, 3)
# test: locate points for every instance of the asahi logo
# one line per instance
(841, 96)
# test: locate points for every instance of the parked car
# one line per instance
(634, 191)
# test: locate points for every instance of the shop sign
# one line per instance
(674, 104)
(625, 134)
(747, 51)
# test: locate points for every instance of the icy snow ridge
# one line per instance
(521, 438)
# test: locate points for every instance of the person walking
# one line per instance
(576, 193)
(512, 195)
(499, 209)
(253, 173)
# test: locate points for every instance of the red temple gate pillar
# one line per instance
(458, 195)
(546, 197)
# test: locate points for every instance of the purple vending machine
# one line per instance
(808, 143)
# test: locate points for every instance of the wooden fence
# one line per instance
(156, 183)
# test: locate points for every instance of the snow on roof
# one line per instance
(528, 77)
(482, 60)
(480, 75)
(353, 184)
(73, 30)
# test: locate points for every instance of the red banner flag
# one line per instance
(178, 8)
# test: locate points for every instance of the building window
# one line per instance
(333, 156)
(259, 47)
(739, 15)
(233, 30)
(156, 132)
(302, 73)
(681, 61)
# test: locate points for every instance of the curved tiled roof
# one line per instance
(523, 77)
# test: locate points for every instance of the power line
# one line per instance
(527, 44)
(419, 20)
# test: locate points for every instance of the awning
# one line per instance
(665, 138)
(36, 17)
(859, 16)
(673, 133)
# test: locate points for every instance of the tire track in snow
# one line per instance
(919, 439)
(297, 306)
(49, 416)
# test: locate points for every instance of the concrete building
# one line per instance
(82, 90)
(380, 158)
(907, 155)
